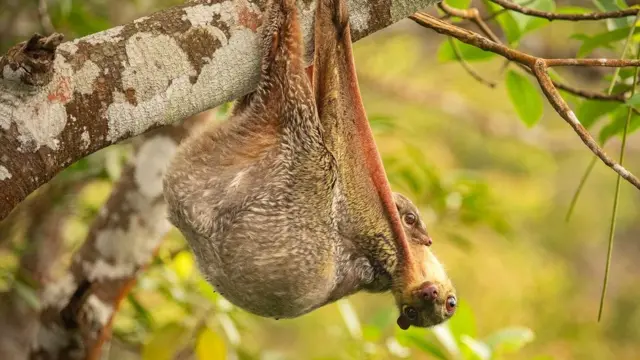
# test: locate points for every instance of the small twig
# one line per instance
(45, 20)
(614, 79)
(467, 67)
(616, 199)
(539, 67)
(502, 11)
(583, 180)
(473, 15)
(591, 95)
(568, 17)
(615, 63)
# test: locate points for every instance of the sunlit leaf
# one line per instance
(371, 333)
(417, 339)
(382, 123)
(509, 26)
(350, 318)
(530, 23)
(142, 314)
(477, 348)
(210, 346)
(589, 111)
(27, 293)
(608, 5)
(573, 10)
(206, 290)
(382, 319)
(634, 101)
(617, 123)
(460, 4)
(230, 329)
(525, 97)
(165, 342)
(468, 52)
(464, 322)
(602, 40)
(509, 340)
(446, 337)
(183, 264)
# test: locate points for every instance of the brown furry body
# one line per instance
(275, 203)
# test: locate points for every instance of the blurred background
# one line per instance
(494, 192)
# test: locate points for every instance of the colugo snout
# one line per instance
(286, 205)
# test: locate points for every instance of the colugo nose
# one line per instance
(429, 291)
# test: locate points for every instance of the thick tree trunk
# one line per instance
(78, 310)
(61, 102)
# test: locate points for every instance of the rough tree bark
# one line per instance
(45, 215)
(78, 309)
(62, 101)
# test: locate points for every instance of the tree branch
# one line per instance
(79, 309)
(473, 15)
(569, 17)
(110, 86)
(539, 68)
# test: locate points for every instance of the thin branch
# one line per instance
(568, 17)
(467, 67)
(502, 11)
(615, 63)
(539, 68)
(591, 95)
(473, 15)
(616, 199)
(583, 180)
(614, 80)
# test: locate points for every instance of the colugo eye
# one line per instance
(410, 218)
(451, 304)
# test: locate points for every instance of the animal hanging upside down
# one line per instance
(286, 206)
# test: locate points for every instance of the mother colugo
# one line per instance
(286, 206)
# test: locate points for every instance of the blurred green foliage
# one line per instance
(493, 171)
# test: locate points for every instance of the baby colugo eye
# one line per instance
(411, 313)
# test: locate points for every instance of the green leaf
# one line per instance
(183, 265)
(509, 340)
(478, 349)
(463, 323)
(510, 27)
(27, 293)
(525, 98)
(573, 10)
(613, 24)
(210, 346)
(617, 124)
(382, 123)
(530, 23)
(589, 111)
(165, 342)
(459, 4)
(603, 39)
(467, 52)
(418, 340)
(634, 100)
(143, 315)
(446, 337)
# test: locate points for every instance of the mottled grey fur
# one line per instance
(274, 204)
